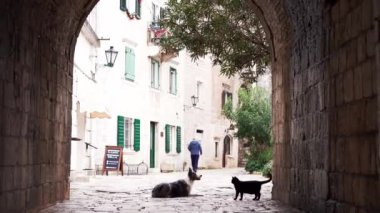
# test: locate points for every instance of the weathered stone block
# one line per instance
(343, 59)
(358, 84)
(352, 54)
(367, 79)
(36, 175)
(11, 122)
(348, 86)
(45, 194)
(11, 155)
(339, 90)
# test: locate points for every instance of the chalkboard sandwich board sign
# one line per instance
(113, 159)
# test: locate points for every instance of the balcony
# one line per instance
(155, 33)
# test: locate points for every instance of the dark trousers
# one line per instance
(194, 162)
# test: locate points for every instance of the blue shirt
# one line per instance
(195, 148)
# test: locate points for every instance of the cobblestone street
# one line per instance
(214, 193)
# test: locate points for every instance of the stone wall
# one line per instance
(353, 125)
(326, 153)
(37, 41)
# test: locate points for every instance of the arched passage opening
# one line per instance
(325, 96)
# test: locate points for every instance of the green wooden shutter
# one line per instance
(120, 131)
(123, 5)
(129, 63)
(167, 138)
(179, 144)
(136, 144)
(138, 8)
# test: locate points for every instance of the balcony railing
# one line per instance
(156, 32)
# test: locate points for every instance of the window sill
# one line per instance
(129, 80)
(173, 154)
(155, 88)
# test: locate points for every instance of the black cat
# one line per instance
(250, 187)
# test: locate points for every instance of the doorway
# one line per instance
(152, 158)
(226, 149)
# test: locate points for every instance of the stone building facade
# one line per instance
(325, 62)
(205, 121)
(158, 96)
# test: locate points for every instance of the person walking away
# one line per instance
(195, 149)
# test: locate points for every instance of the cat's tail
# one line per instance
(267, 181)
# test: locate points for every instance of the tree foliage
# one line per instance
(226, 29)
(253, 121)
(252, 115)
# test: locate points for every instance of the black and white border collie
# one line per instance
(179, 188)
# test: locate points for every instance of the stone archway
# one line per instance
(37, 43)
(325, 58)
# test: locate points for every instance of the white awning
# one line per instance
(96, 114)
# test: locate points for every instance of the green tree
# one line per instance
(226, 29)
(253, 121)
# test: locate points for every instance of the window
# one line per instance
(155, 75)
(199, 87)
(173, 81)
(129, 73)
(172, 138)
(225, 97)
(155, 12)
(216, 149)
(128, 133)
(131, 6)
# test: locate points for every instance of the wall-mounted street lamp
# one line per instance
(230, 128)
(111, 55)
(194, 100)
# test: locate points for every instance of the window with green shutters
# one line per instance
(136, 145)
(129, 64)
(138, 8)
(179, 144)
(125, 136)
(167, 138)
(131, 6)
(123, 5)
(172, 139)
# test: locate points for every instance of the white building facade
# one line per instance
(205, 121)
(143, 103)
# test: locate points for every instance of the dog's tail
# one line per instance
(161, 190)
(267, 181)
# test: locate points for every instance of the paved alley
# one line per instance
(214, 193)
